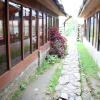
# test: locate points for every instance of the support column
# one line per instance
(43, 34)
(30, 30)
(22, 35)
(37, 31)
(7, 34)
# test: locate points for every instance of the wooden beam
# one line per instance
(35, 5)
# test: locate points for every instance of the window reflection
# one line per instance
(14, 31)
(92, 30)
(98, 31)
(47, 27)
(40, 29)
(49, 21)
(3, 56)
(95, 31)
(34, 38)
(26, 15)
(44, 16)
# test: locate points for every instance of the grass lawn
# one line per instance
(87, 63)
(55, 79)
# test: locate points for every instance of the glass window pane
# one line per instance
(45, 34)
(26, 15)
(34, 37)
(88, 29)
(91, 31)
(95, 31)
(3, 56)
(99, 31)
(40, 29)
(15, 34)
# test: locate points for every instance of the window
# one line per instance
(88, 29)
(26, 17)
(92, 30)
(95, 31)
(45, 34)
(49, 21)
(46, 27)
(34, 36)
(14, 31)
(54, 21)
(3, 56)
(40, 28)
(57, 22)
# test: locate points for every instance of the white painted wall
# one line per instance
(93, 51)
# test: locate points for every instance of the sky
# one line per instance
(72, 6)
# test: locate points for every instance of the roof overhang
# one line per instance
(89, 7)
(52, 6)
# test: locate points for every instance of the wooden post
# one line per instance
(30, 30)
(98, 47)
(7, 33)
(22, 35)
(43, 36)
(37, 32)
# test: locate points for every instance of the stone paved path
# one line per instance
(69, 86)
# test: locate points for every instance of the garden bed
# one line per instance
(89, 71)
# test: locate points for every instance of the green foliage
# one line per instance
(23, 86)
(27, 48)
(2, 58)
(15, 96)
(70, 27)
(88, 65)
(15, 53)
(52, 59)
(55, 79)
